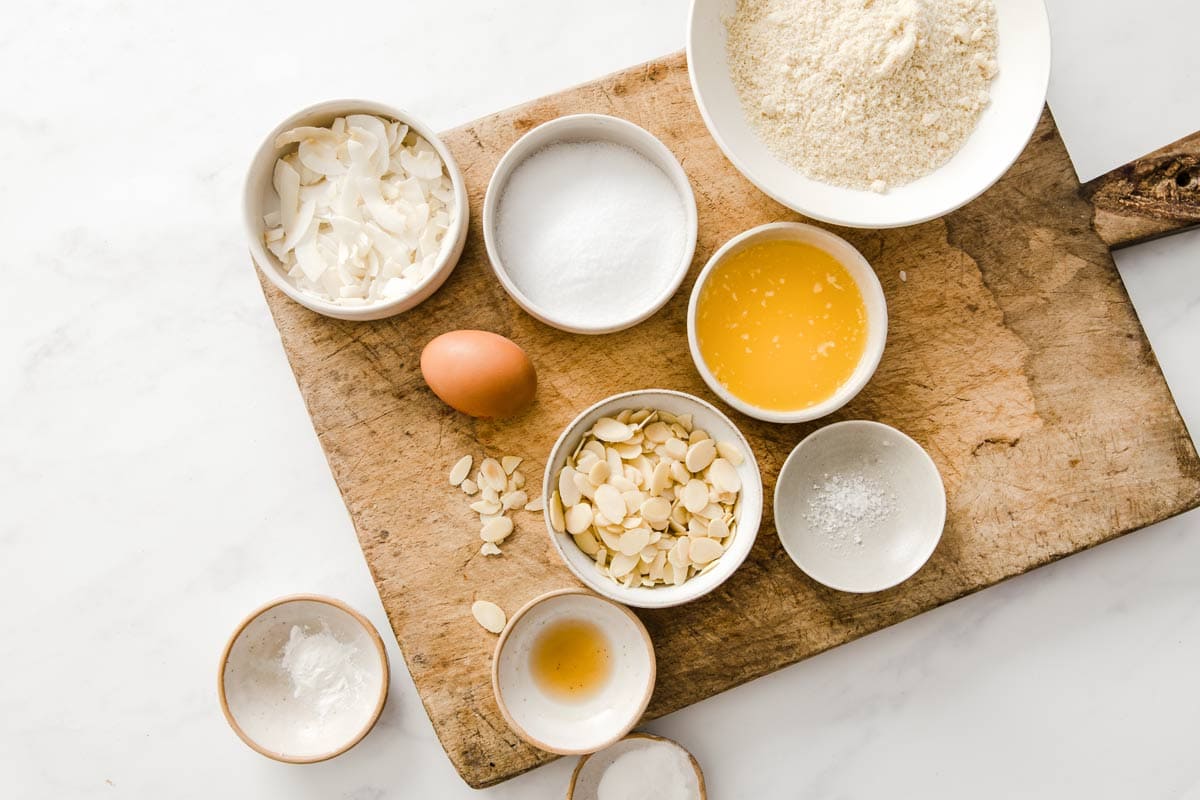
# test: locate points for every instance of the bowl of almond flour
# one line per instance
(870, 113)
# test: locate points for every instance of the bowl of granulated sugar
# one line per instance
(873, 114)
(589, 223)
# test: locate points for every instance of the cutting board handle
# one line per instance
(1156, 195)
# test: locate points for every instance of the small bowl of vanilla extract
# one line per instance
(573, 672)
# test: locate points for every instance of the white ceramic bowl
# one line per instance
(580, 128)
(258, 190)
(257, 696)
(868, 286)
(747, 512)
(589, 772)
(585, 726)
(872, 555)
(1018, 95)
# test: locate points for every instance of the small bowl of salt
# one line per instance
(639, 766)
(859, 506)
(303, 679)
(590, 223)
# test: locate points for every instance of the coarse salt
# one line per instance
(842, 508)
(591, 231)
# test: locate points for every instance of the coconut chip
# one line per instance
(363, 210)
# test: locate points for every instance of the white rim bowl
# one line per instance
(747, 513)
(868, 285)
(1018, 95)
(584, 128)
(589, 724)
(258, 703)
(258, 188)
(886, 552)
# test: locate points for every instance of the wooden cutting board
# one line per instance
(1013, 355)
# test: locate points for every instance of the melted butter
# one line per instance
(570, 660)
(781, 325)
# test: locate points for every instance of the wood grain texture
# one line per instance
(1154, 196)
(1013, 355)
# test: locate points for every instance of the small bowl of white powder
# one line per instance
(859, 506)
(870, 114)
(590, 223)
(303, 679)
(639, 767)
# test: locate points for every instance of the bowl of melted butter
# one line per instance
(787, 322)
(573, 672)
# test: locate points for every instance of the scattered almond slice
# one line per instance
(536, 504)
(460, 470)
(510, 463)
(493, 474)
(490, 549)
(469, 487)
(496, 529)
(489, 615)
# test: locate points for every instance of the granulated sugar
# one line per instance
(843, 507)
(591, 230)
(863, 93)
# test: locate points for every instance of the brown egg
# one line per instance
(479, 373)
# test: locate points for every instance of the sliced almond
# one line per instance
(608, 429)
(704, 550)
(489, 615)
(634, 541)
(685, 420)
(717, 529)
(731, 453)
(700, 454)
(513, 499)
(587, 542)
(657, 432)
(568, 489)
(611, 540)
(510, 463)
(679, 472)
(675, 449)
(489, 549)
(469, 487)
(723, 476)
(678, 555)
(496, 530)
(656, 509)
(517, 479)
(557, 518)
(660, 479)
(460, 470)
(695, 495)
(579, 518)
(609, 502)
(486, 506)
(493, 474)
(599, 473)
(536, 504)
(622, 564)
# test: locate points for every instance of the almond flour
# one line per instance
(863, 93)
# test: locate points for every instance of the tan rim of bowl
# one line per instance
(383, 691)
(512, 623)
(695, 764)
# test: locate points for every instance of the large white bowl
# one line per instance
(868, 285)
(1018, 96)
(583, 128)
(258, 189)
(747, 512)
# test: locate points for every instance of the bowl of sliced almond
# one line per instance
(652, 498)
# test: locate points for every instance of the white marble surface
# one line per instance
(160, 476)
